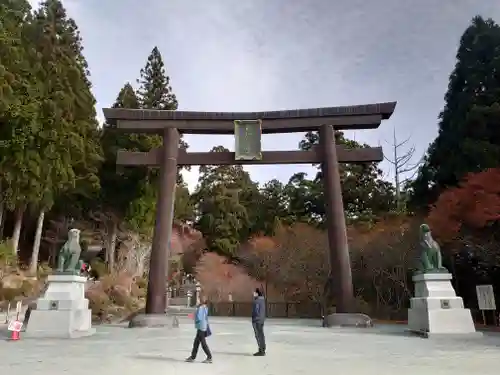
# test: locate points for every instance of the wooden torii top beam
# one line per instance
(368, 116)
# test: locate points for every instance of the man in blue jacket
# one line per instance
(258, 319)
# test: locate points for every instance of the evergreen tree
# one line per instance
(468, 139)
(184, 207)
(19, 94)
(221, 199)
(365, 194)
(120, 186)
(68, 138)
(155, 91)
(269, 209)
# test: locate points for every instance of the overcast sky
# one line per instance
(253, 55)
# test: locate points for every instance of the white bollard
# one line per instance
(19, 307)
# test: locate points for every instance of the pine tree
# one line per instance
(468, 125)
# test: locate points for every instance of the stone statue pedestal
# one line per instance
(436, 309)
(63, 311)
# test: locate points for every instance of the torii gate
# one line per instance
(248, 128)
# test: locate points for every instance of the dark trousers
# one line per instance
(200, 338)
(258, 329)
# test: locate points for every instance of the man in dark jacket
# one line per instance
(258, 319)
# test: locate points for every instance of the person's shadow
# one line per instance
(157, 357)
(234, 354)
(161, 357)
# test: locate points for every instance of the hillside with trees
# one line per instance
(58, 171)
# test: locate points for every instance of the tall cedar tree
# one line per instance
(155, 91)
(224, 196)
(68, 137)
(269, 209)
(120, 186)
(18, 109)
(468, 124)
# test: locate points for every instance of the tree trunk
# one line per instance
(396, 173)
(111, 248)
(2, 219)
(2, 212)
(16, 233)
(36, 243)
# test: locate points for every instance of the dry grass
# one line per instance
(115, 296)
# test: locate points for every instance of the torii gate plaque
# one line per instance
(170, 124)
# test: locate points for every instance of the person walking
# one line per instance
(202, 332)
(258, 319)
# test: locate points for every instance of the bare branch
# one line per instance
(398, 145)
(389, 160)
(403, 160)
(414, 166)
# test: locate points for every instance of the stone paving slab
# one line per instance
(294, 347)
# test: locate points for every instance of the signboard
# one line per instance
(485, 297)
(15, 326)
(248, 137)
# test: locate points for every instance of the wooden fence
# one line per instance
(310, 310)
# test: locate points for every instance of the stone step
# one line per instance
(180, 310)
(178, 301)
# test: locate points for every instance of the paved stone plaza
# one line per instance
(294, 347)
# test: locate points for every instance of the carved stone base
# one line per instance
(348, 320)
(436, 310)
(63, 311)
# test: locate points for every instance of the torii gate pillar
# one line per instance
(156, 301)
(339, 282)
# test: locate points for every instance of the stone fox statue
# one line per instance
(69, 255)
(430, 256)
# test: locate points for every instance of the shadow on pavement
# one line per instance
(233, 354)
(153, 357)
(4, 333)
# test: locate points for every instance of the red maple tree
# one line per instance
(470, 212)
